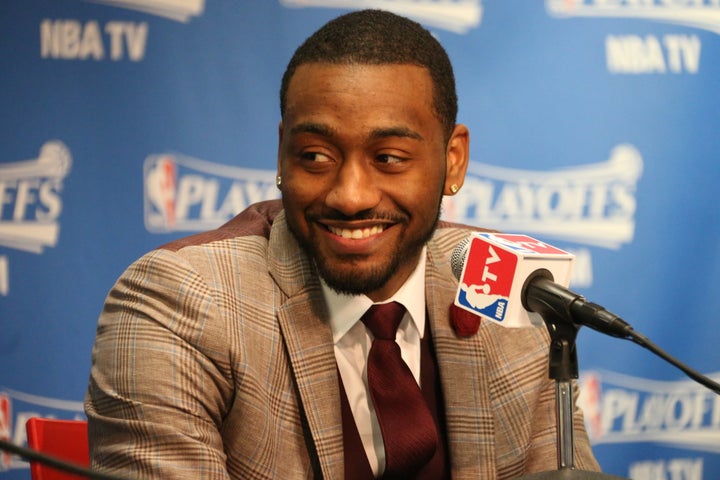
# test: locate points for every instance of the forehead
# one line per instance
(315, 69)
(360, 91)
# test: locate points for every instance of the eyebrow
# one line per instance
(378, 133)
(395, 132)
(312, 127)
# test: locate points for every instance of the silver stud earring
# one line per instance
(278, 181)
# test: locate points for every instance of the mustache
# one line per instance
(371, 214)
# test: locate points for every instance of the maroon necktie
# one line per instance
(407, 426)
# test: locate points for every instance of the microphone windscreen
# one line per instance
(458, 257)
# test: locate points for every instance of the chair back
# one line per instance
(64, 439)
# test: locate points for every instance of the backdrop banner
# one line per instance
(127, 123)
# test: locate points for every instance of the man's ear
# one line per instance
(280, 138)
(457, 156)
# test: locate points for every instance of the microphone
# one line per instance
(511, 279)
(508, 279)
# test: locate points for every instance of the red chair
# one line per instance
(63, 439)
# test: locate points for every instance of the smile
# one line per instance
(356, 233)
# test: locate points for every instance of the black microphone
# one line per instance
(538, 291)
(541, 295)
(499, 271)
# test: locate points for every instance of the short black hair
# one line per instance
(377, 37)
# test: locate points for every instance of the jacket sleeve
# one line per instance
(160, 379)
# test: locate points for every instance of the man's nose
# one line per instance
(354, 188)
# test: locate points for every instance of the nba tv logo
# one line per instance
(487, 279)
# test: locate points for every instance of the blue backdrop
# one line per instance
(126, 123)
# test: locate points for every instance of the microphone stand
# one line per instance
(563, 369)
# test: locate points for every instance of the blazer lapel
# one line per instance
(461, 362)
(308, 340)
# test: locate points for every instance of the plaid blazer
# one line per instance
(213, 359)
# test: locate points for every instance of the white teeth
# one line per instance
(356, 233)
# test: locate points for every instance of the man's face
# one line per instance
(364, 166)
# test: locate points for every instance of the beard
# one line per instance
(344, 274)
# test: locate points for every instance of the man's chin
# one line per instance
(353, 280)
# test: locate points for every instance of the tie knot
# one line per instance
(383, 319)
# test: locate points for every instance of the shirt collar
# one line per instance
(346, 310)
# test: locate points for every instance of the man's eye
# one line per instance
(389, 159)
(315, 157)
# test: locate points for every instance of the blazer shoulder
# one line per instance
(449, 234)
(256, 220)
(448, 225)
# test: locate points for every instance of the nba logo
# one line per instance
(161, 191)
(487, 280)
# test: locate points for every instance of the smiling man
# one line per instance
(364, 163)
(313, 337)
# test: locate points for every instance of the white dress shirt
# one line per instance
(352, 345)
